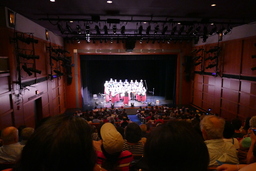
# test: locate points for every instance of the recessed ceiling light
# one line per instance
(52, 0)
(144, 22)
(109, 2)
(178, 23)
(213, 5)
(71, 21)
(212, 24)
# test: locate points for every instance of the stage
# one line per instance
(98, 101)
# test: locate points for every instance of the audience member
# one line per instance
(212, 128)
(26, 134)
(243, 167)
(11, 149)
(133, 138)
(175, 146)
(246, 126)
(112, 157)
(228, 135)
(237, 123)
(63, 142)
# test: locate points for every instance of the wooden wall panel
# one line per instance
(232, 52)
(29, 114)
(4, 86)
(5, 103)
(6, 120)
(248, 62)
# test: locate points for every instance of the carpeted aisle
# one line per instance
(134, 118)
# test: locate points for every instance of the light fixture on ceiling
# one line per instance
(109, 2)
(213, 5)
(123, 30)
(78, 28)
(148, 29)
(52, 0)
(164, 30)
(97, 29)
(105, 28)
(140, 29)
(156, 29)
(114, 29)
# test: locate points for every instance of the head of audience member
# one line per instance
(212, 127)
(112, 145)
(63, 142)
(247, 124)
(253, 122)
(10, 135)
(237, 123)
(173, 145)
(133, 133)
(26, 134)
(228, 130)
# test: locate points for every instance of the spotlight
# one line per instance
(105, 28)
(156, 29)
(164, 30)
(58, 72)
(24, 67)
(87, 29)
(173, 30)
(140, 29)
(69, 28)
(148, 29)
(114, 29)
(181, 30)
(79, 30)
(97, 29)
(123, 30)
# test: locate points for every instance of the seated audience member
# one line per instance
(144, 130)
(243, 167)
(11, 149)
(63, 142)
(237, 123)
(228, 135)
(26, 134)
(175, 146)
(246, 126)
(212, 128)
(245, 144)
(133, 138)
(112, 157)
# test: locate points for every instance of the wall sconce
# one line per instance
(11, 18)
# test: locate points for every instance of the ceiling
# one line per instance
(168, 19)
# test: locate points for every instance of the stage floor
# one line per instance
(151, 100)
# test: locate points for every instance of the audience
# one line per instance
(212, 128)
(111, 157)
(228, 135)
(237, 123)
(61, 143)
(251, 155)
(133, 139)
(11, 149)
(175, 146)
(26, 134)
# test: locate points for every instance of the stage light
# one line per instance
(164, 30)
(148, 29)
(156, 29)
(140, 29)
(181, 30)
(58, 72)
(97, 29)
(69, 28)
(123, 30)
(105, 28)
(114, 29)
(24, 67)
(173, 30)
(79, 30)
(87, 29)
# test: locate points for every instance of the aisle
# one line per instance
(134, 118)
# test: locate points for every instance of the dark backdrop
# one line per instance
(159, 71)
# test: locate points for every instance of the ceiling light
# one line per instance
(213, 5)
(109, 2)
(52, 0)
(71, 21)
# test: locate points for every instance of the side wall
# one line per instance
(25, 99)
(232, 93)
